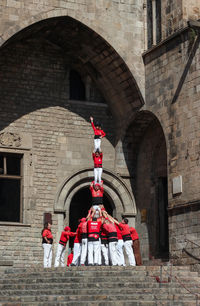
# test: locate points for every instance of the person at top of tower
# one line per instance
(97, 157)
(98, 134)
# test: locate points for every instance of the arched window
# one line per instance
(76, 86)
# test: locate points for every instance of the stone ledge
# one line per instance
(14, 224)
(89, 103)
(183, 207)
(6, 263)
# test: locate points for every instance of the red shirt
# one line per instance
(98, 132)
(126, 235)
(94, 230)
(98, 193)
(97, 160)
(69, 259)
(111, 231)
(103, 235)
(65, 237)
(83, 229)
(47, 233)
(119, 233)
(78, 235)
(134, 234)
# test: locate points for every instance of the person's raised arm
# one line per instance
(92, 123)
(112, 219)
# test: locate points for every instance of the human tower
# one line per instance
(99, 239)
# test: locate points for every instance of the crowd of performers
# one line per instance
(99, 239)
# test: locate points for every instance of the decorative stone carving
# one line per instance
(8, 139)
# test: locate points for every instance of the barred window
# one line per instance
(10, 187)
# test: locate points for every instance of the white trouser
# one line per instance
(100, 256)
(93, 252)
(129, 251)
(60, 256)
(97, 175)
(120, 252)
(113, 252)
(84, 244)
(104, 250)
(77, 253)
(47, 255)
(97, 144)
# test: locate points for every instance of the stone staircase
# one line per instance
(145, 285)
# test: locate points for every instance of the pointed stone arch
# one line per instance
(88, 50)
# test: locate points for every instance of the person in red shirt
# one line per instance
(47, 241)
(97, 157)
(104, 247)
(94, 242)
(84, 240)
(70, 258)
(60, 254)
(120, 246)
(98, 134)
(126, 235)
(77, 247)
(136, 246)
(97, 193)
(110, 228)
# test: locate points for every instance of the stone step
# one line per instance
(89, 273)
(92, 279)
(100, 297)
(62, 285)
(88, 291)
(107, 303)
(92, 268)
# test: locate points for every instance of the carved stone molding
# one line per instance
(8, 139)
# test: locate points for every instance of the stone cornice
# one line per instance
(183, 207)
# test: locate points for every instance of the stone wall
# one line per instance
(172, 93)
(35, 103)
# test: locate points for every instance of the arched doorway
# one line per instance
(118, 198)
(145, 150)
(81, 203)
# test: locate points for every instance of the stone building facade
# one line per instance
(133, 65)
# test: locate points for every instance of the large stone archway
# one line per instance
(114, 187)
(84, 49)
(35, 101)
(145, 152)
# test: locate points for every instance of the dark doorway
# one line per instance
(162, 225)
(80, 204)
